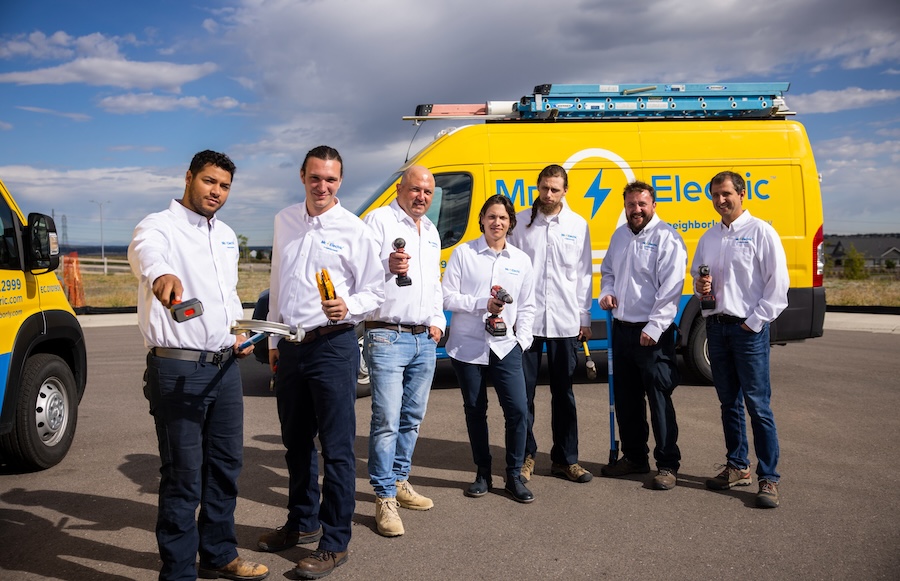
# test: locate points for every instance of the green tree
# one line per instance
(242, 246)
(890, 264)
(855, 265)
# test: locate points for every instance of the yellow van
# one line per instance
(43, 361)
(674, 137)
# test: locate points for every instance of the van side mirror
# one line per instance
(41, 243)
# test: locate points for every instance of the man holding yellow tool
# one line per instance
(326, 277)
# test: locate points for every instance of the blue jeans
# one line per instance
(315, 389)
(740, 368)
(509, 382)
(563, 415)
(199, 414)
(401, 368)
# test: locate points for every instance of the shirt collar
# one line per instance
(739, 222)
(327, 218)
(481, 246)
(544, 218)
(402, 216)
(191, 217)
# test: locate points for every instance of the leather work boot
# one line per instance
(767, 497)
(624, 467)
(409, 498)
(573, 472)
(527, 468)
(730, 477)
(480, 487)
(517, 490)
(239, 569)
(387, 519)
(320, 563)
(281, 539)
(665, 479)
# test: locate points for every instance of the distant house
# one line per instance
(877, 249)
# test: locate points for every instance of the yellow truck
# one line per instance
(674, 137)
(43, 363)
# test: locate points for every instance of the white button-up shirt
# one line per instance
(749, 271)
(336, 240)
(203, 254)
(420, 303)
(472, 270)
(645, 272)
(560, 251)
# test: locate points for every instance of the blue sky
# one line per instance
(105, 102)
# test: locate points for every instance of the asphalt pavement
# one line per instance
(835, 400)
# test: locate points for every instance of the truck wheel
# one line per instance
(697, 354)
(46, 415)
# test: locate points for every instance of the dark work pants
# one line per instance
(315, 388)
(563, 415)
(649, 372)
(509, 382)
(199, 414)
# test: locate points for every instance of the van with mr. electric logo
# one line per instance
(43, 363)
(674, 137)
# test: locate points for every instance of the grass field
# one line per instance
(120, 290)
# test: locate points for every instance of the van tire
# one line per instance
(696, 355)
(46, 415)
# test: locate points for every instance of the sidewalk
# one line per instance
(833, 321)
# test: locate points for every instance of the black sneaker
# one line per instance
(730, 477)
(624, 467)
(767, 497)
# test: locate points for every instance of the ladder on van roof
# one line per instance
(675, 101)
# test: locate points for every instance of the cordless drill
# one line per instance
(494, 325)
(707, 301)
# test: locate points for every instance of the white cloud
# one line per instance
(38, 45)
(149, 102)
(210, 26)
(114, 72)
(80, 117)
(4, 126)
(847, 99)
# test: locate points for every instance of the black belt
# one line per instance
(629, 324)
(324, 330)
(414, 329)
(214, 357)
(726, 319)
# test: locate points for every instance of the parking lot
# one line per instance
(835, 401)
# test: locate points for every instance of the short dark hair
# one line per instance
(324, 153)
(736, 180)
(503, 201)
(554, 171)
(210, 157)
(639, 186)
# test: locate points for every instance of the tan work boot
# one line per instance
(387, 518)
(409, 498)
(238, 569)
(527, 468)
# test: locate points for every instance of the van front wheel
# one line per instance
(697, 354)
(46, 415)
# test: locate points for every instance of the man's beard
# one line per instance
(546, 208)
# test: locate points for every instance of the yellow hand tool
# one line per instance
(326, 288)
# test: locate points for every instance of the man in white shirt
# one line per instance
(401, 339)
(192, 380)
(479, 354)
(749, 280)
(559, 244)
(315, 380)
(642, 282)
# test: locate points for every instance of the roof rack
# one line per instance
(677, 101)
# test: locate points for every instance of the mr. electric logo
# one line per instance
(670, 187)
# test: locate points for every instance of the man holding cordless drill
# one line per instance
(748, 278)
(401, 342)
(192, 380)
(315, 380)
